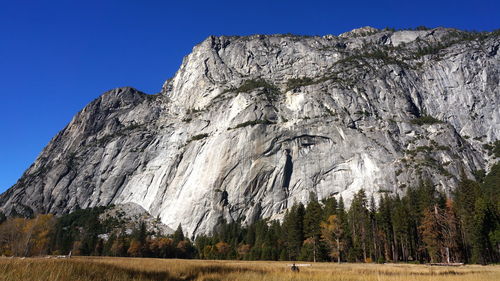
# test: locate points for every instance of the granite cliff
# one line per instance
(250, 125)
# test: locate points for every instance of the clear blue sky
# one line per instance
(56, 56)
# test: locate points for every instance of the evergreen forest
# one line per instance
(424, 225)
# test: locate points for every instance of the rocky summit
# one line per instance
(250, 125)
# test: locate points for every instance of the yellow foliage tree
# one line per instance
(37, 235)
(118, 247)
(208, 252)
(222, 249)
(331, 232)
(135, 249)
(77, 245)
(10, 240)
(243, 250)
(161, 247)
(26, 237)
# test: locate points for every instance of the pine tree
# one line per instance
(481, 249)
(465, 196)
(312, 219)
(384, 221)
(330, 208)
(273, 236)
(346, 238)
(294, 230)
(401, 229)
(359, 222)
(490, 190)
(178, 235)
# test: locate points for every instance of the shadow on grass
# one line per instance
(95, 271)
(193, 273)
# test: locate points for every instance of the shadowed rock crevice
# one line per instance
(287, 170)
(224, 198)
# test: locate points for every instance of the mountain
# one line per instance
(249, 125)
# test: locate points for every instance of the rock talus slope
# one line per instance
(250, 125)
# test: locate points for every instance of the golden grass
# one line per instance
(137, 269)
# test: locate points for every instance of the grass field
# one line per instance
(111, 269)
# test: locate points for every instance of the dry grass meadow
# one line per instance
(143, 269)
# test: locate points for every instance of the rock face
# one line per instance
(130, 216)
(250, 125)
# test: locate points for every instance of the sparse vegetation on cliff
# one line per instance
(252, 123)
(198, 137)
(425, 120)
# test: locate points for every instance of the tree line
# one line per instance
(424, 225)
(83, 233)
